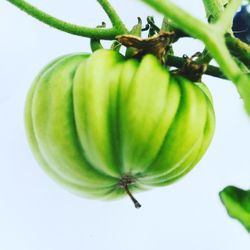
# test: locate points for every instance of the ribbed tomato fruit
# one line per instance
(100, 124)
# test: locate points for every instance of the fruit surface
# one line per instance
(96, 121)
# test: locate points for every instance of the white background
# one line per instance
(37, 214)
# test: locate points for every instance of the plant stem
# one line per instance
(218, 49)
(214, 8)
(96, 33)
(178, 62)
(113, 16)
(239, 49)
(123, 183)
(95, 44)
(204, 58)
(226, 18)
(136, 203)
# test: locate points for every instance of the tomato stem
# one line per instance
(124, 182)
(136, 203)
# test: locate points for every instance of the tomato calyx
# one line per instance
(124, 183)
(191, 69)
(158, 45)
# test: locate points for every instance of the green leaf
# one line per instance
(237, 203)
(136, 31)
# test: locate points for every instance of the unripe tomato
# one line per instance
(94, 121)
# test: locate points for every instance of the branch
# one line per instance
(178, 62)
(239, 49)
(113, 16)
(96, 33)
(205, 57)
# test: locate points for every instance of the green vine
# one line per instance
(114, 18)
(238, 49)
(97, 33)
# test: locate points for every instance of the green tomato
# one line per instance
(99, 124)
